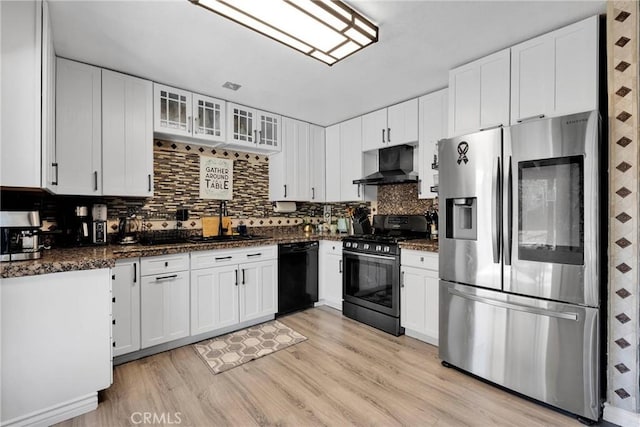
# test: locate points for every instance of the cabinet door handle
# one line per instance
(255, 136)
(135, 272)
(149, 176)
(260, 137)
(95, 180)
(383, 136)
(388, 134)
(340, 266)
(358, 190)
(313, 193)
(55, 182)
(189, 122)
(402, 279)
(195, 124)
(419, 186)
(172, 276)
(252, 255)
(236, 277)
(243, 276)
(285, 190)
(537, 116)
(489, 128)
(222, 258)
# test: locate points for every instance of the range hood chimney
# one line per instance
(395, 166)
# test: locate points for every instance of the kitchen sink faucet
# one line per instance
(222, 212)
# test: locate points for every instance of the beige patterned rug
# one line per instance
(228, 351)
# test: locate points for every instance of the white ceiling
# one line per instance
(180, 44)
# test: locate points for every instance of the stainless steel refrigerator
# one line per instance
(520, 269)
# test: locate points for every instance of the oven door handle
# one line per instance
(387, 257)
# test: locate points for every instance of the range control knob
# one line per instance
(366, 246)
(354, 245)
(378, 248)
(348, 244)
(386, 249)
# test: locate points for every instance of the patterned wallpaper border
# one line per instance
(623, 388)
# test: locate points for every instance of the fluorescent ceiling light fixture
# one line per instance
(327, 30)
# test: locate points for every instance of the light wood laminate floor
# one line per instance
(346, 373)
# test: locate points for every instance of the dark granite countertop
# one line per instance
(420, 245)
(94, 257)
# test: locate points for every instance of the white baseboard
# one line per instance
(422, 337)
(57, 413)
(620, 417)
(333, 304)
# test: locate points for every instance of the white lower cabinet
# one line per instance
(214, 298)
(232, 286)
(419, 294)
(56, 345)
(330, 274)
(164, 312)
(126, 306)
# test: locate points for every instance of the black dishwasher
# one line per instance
(297, 276)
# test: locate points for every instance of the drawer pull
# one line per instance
(252, 255)
(222, 258)
(172, 276)
(166, 263)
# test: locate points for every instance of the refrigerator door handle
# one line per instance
(507, 249)
(495, 211)
(516, 306)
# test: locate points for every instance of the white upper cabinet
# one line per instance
(180, 114)
(402, 123)
(432, 127)
(557, 73)
(332, 167)
(394, 125)
(208, 118)
(49, 178)
(479, 94)
(344, 161)
(374, 130)
(27, 69)
(78, 128)
(350, 160)
(172, 111)
(253, 130)
(317, 163)
(127, 135)
(289, 169)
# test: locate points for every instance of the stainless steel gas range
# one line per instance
(371, 275)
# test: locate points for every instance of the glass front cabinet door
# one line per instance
(208, 118)
(269, 132)
(179, 113)
(253, 129)
(242, 125)
(172, 111)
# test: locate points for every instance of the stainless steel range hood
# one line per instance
(395, 166)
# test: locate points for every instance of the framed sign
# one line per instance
(216, 178)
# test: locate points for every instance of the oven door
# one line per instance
(372, 281)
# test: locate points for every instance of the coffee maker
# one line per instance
(99, 224)
(82, 236)
(19, 235)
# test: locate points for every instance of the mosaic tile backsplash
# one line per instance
(176, 185)
(402, 199)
